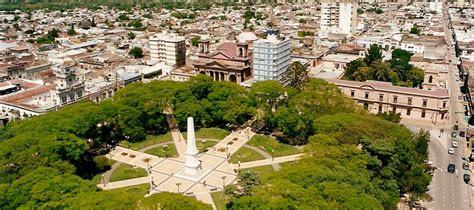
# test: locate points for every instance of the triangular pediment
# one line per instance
(216, 65)
(220, 55)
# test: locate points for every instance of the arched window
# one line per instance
(430, 80)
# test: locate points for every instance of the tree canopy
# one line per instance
(397, 70)
(353, 159)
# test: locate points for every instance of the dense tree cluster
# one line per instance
(354, 159)
(397, 70)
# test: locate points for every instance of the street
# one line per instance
(448, 189)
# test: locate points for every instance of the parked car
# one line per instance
(467, 178)
(453, 134)
(451, 150)
(465, 166)
(451, 168)
(456, 127)
(462, 134)
(455, 144)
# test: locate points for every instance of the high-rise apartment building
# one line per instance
(168, 48)
(271, 58)
(338, 17)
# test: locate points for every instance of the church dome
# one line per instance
(246, 37)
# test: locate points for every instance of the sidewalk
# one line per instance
(124, 183)
(179, 142)
(257, 163)
(206, 198)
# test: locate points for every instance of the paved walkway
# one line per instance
(125, 183)
(276, 166)
(206, 198)
(179, 142)
(109, 173)
(257, 163)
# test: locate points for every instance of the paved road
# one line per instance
(449, 190)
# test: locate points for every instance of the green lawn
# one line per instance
(166, 151)
(125, 171)
(220, 199)
(210, 133)
(203, 147)
(150, 140)
(245, 155)
(259, 170)
(268, 144)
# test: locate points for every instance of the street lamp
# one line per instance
(273, 154)
(103, 179)
(178, 184)
(223, 181)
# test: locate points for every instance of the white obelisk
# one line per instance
(192, 163)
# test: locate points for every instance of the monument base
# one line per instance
(192, 177)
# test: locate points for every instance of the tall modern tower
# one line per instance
(338, 16)
(192, 163)
(168, 48)
(271, 58)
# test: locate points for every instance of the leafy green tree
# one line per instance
(374, 53)
(195, 41)
(123, 17)
(136, 52)
(71, 31)
(414, 30)
(131, 35)
(390, 116)
(297, 74)
(135, 24)
(268, 94)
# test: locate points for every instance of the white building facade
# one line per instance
(168, 48)
(339, 17)
(271, 58)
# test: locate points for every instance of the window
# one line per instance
(352, 93)
(425, 102)
(410, 101)
(444, 104)
(366, 95)
(395, 99)
(423, 114)
(381, 97)
(430, 79)
(366, 106)
(380, 108)
(394, 109)
(408, 112)
(442, 116)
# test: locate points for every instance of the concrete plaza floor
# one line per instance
(167, 175)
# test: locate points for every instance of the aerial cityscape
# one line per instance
(329, 104)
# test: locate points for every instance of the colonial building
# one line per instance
(411, 103)
(230, 62)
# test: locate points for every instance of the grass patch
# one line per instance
(165, 151)
(150, 140)
(268, 144)
(245, 155)
(204, 146)
(220, 199)
(259, 170)
(125, 171)
(210, 133)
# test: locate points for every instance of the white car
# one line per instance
(455, 144)
(451, 151)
